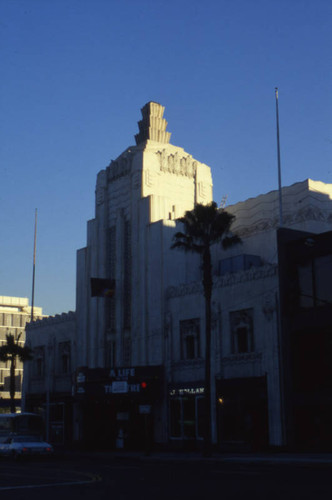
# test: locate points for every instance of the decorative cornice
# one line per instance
(308, 213)
(188, 363)
(252, 274)
(52, 320)
(120, 167)
(184, 289)
(242, 358)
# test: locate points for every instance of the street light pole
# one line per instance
(34, 267)
(279, 167)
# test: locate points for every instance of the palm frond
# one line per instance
(12, 349)
(204, 226)
(230, 241)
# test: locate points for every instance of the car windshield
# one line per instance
(26, 439)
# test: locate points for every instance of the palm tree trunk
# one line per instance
(207, 284)
(12, 384)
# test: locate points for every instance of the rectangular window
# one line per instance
(200, 411)
(39, 361)
(189, 417)
(127, 275)
(306, 285)
(18, 382)
(175, 417)
(314, 277)
(322, 277)
(111, 354)
(7, 382)
(110, 309)
(190, 338)
(8, 320)
(241, 323)
(127, 352)
(242, 339)
(64, 357)
(16, 320)
(186, 417)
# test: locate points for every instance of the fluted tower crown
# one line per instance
(153, 125)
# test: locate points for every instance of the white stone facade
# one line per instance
(307, 207)
(138, 198)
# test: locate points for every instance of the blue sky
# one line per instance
(75, 74)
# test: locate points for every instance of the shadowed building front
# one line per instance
(138, 197)
(137, 340)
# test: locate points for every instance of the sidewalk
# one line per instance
(240, 458)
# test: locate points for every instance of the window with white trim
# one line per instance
(242, 335)
(190, 338)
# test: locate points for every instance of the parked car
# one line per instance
(25, 446)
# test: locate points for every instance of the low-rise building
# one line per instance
(48, 377)
(15, 312)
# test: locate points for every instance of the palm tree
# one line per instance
(11, 351)
(204, 226)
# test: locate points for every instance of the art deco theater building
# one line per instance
(127, 369)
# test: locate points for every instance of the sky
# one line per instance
(76, 73)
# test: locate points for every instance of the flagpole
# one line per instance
(279, 168)
(34, 267)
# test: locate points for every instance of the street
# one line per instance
(97, 476)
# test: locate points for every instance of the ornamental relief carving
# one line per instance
(259, 227)
(188, 363)
(185, 289)
(176, 164)
(119, 168)
(303, 215)
(242, 358)
(202, 190)
(255, 273)
(149, 178)
(269, 306)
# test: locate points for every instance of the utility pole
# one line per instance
(279, 168)
(34, 267)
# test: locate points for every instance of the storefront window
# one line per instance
(186, 415)
(175, 415)
(200, 416)
(188, 405)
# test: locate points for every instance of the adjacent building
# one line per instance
(15, 312)
(305, 261)
(136, 340)
(48, 377)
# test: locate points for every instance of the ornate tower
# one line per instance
(139, 196)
